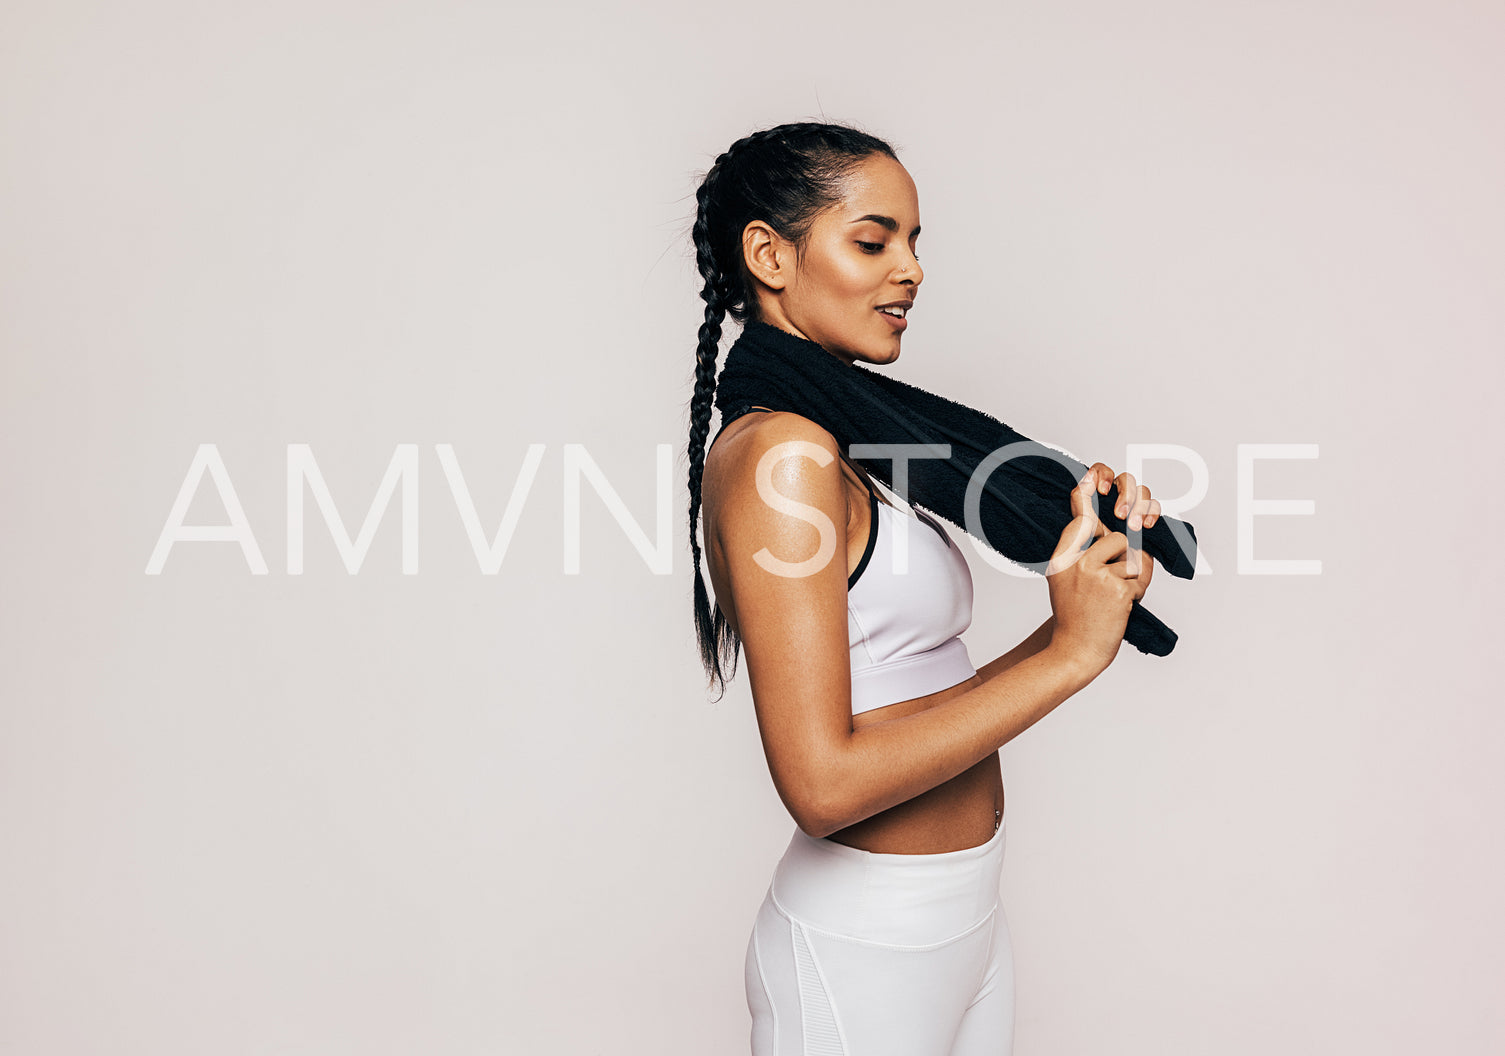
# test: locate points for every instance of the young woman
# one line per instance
(881, 932)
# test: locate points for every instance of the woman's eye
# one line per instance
(871, 247)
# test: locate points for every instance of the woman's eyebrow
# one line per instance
(887, 221)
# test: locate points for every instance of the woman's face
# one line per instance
(858, 260)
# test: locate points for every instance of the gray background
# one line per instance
(456, 813)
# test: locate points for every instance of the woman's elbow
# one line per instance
(819, 815)
(817, 827)
(814, 827)
(817, 792)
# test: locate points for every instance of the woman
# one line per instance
(882, 930)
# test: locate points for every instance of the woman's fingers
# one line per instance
(1128, 494)
(1136, 506)
(1145, 574)
(1135, 566)
(1122, 559)
(1135, 503)
(1100, 478)
(1076, 541)
(1081, 495)
(1109, 549)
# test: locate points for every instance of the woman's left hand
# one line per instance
(1143, 513)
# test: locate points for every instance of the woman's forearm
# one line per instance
(1029, 647)
(886, 763)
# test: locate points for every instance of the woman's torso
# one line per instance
(961, 812)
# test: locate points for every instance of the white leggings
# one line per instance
(862, 954)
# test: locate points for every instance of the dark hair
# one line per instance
(785, 177)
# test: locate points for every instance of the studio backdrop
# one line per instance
(349, 698)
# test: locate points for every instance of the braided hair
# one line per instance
(785, 177)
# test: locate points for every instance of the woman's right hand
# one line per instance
(1092, 587)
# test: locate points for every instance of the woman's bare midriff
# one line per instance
(956, 814)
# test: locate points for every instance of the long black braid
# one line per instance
(784, 176)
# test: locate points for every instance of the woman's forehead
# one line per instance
(879, 189)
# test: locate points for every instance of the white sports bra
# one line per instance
(905, 610)
(906, 604)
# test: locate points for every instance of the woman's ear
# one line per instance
(768, 256)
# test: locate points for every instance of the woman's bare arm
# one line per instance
(1037, 641)
(884, 763)
(792, 619)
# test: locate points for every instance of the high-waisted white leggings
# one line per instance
(862, 954)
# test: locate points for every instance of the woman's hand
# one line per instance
(1144, 512)
(1091, 589)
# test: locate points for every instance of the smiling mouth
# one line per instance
(894, 316)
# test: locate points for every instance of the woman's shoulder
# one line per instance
(743, 442)
(797, 457)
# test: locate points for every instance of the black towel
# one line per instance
(1021, 507)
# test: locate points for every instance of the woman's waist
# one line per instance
(909, 899)
(954, 815)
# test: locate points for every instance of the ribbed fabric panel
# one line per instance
(821, 1034)
(905, 678)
